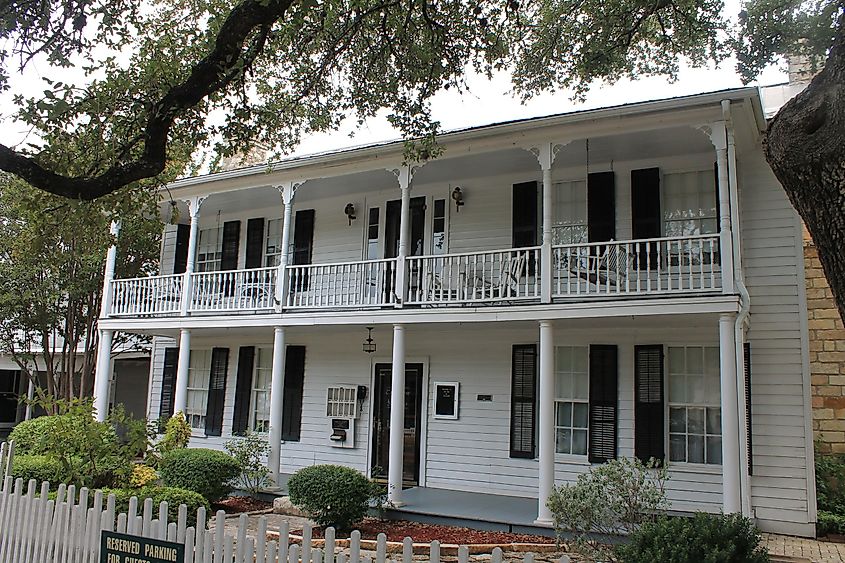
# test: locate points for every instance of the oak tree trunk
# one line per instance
(805, 146)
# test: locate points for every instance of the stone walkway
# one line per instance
(781, 548)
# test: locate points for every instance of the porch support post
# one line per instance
(194, 205)
(108, 274)
(287, 191)
(730, 416)
(103, 375)
(180, 401)
(397, 417)
(546, 421)
(718, 136)
(277, 388)
(404, 174)
(546, 158)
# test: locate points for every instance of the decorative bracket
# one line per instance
(717, 133)
(194, 205)
(405, 174)
(545, 153)
(288, 190)
(114, 228)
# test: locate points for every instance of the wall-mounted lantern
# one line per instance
(350, 212)
(369, 345)
(458, 196)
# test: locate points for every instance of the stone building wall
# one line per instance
(827, 356)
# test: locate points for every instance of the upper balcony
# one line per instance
(600, 210)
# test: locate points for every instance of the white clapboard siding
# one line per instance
(68, 530)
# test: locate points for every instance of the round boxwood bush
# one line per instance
(173, 495)
(207, 472)
(704, 538)
(38, 467)
(29, 435)
(332, 495)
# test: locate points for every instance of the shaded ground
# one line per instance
(236, 505)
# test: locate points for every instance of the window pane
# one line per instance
(695, 421)
(564, 414)
(563, 385)
(564, 441)
(677, 447)
(695, 449)
(714, 449)
(581, 386)
(695, 360)
(677, 420)
(676, 360)
(579, 419)
(579, 359)
(579, 442)
(695, 389)
(714, 421)
(563, 358)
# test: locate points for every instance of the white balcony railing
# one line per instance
(474, 277)
(648, 266)
(366, 283)
(234, 290)
(157, 295)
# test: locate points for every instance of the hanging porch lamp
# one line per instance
(369, 345)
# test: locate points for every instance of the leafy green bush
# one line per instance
(38, 467)
(830, 483)
(704, 538)
(173, 495)
(249, 451)
(332, 495)
(208, 472)
(31, 436)
(830, 523)
(614, 498)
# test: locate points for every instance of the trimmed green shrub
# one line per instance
(173, 495)
(704, 538)
(31, 436)
(38, 467)
(208, 472)
(332, 495)
(830, 523)
(830, 483)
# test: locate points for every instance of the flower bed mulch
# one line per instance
(237, 505)
(398, 530)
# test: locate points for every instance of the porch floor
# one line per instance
(473, 510)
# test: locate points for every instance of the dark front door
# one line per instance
(413, 422)
(10, 381)
(392, 227)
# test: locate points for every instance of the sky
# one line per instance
(486, 102)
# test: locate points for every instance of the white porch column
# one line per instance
(287, 191)
(718, 137)
(546, 421)
(180, 401)
(194, 205)
(404, 174)
(108, 274)
(546, 158)
(730, 417)
(103, 376)
(277, 389)
(397, 418)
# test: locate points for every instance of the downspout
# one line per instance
(742, 319)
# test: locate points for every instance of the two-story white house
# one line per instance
(548, 294)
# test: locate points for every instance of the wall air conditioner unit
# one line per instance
(342, 408)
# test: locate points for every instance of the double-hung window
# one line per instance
(689, 204)
(259, 416)
(570, 225)
(199, 374)
(572, 396)
(210, 249)
(273, 244)
(695, 420)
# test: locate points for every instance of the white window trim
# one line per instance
(191, 371)
(663, 199)
(253, 390)
(573, 402)
(266, 255)
(203, 265)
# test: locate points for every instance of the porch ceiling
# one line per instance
(452, 167)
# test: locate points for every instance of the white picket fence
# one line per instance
(67, 529)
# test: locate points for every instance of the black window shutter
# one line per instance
(649, 437)
(523, 400)
(292, 397)
(231, 243)
(180, 253)
(303, 244)
(243, 389)
(168, 382)
(747, 368)
(524, 218)
(645, 213)
(603, 402)
(601, 206)
(254, 242)
(216, 392)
